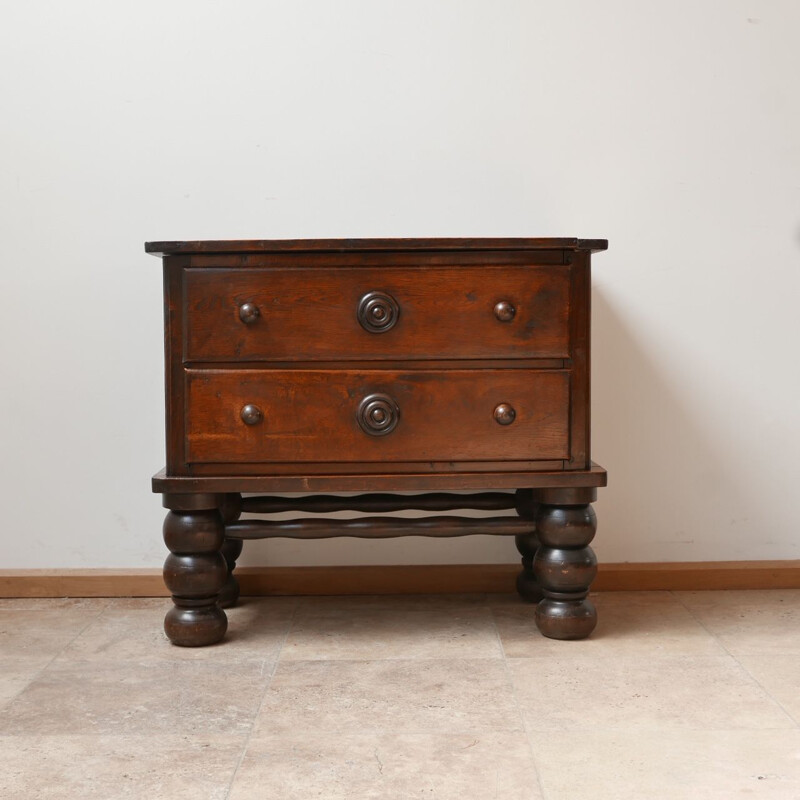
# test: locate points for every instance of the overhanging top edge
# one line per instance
(368, 245)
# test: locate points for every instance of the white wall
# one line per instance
(671, 128)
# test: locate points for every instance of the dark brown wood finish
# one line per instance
(315, 415)
(377, 259)
(230, 509)
(318, 313)
(407, 472)
(441, 477)
(173, 362)
(580, 310)
(371, 245)
(377, 527)
(527, 544)
(378, 365)
(195, 570)
(564, 566)
(380, 503)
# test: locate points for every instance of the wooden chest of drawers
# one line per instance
(377, 366)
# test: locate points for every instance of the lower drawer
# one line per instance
(255, 416)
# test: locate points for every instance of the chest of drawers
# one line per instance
(457, 369)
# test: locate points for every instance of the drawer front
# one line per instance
(255, 416)
(310, 314)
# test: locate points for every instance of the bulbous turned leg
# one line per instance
(527, 585)
(565, 566)
(195, 570)
(231, 510)
(527, 545)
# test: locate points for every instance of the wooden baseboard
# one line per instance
(82, 583)
(393, 579)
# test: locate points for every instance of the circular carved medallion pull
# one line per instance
(251, 415)
(377, 414)
(377, 312)
(504, 414)
(249, 313)
(504, 311)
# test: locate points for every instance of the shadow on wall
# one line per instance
(672, 493)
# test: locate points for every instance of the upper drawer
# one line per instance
(312, 314)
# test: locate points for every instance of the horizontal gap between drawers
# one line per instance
(389, 365)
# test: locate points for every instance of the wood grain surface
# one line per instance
(311, 314)
(310, 415)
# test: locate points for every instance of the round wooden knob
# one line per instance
(378, 414)
(504, 414)
(249, 313)
(377, 312)
(251, 415)
(504, 311)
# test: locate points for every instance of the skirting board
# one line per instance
(416, 579)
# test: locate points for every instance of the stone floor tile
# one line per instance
(382, 697)
(419, 696)
(389, 766)
(750, 622)
(704, 693)
(358, 631)
(629, 623)
(16, 674)
(43, 632)
(780, 678)
(112, 698)
(50, 603)
(393, 601)
(110, 767)
(674, 765)
(133, 630)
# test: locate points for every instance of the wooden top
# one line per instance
(368, 245)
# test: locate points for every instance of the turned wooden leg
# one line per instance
(565, 566)
(231, 510)
(527, 545)
(195, 570)
(527, 585)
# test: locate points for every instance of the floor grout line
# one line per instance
(738, 663)
(38, 672)
(291, 618)
(263, 700)
(516, 701)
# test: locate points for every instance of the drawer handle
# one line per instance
(378, 414)
(249, 313)
(504, 311)
(251, 415)
(504, 414)
(377, 312)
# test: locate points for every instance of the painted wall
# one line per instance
(672, 129)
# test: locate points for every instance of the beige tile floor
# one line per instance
(676, 695)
